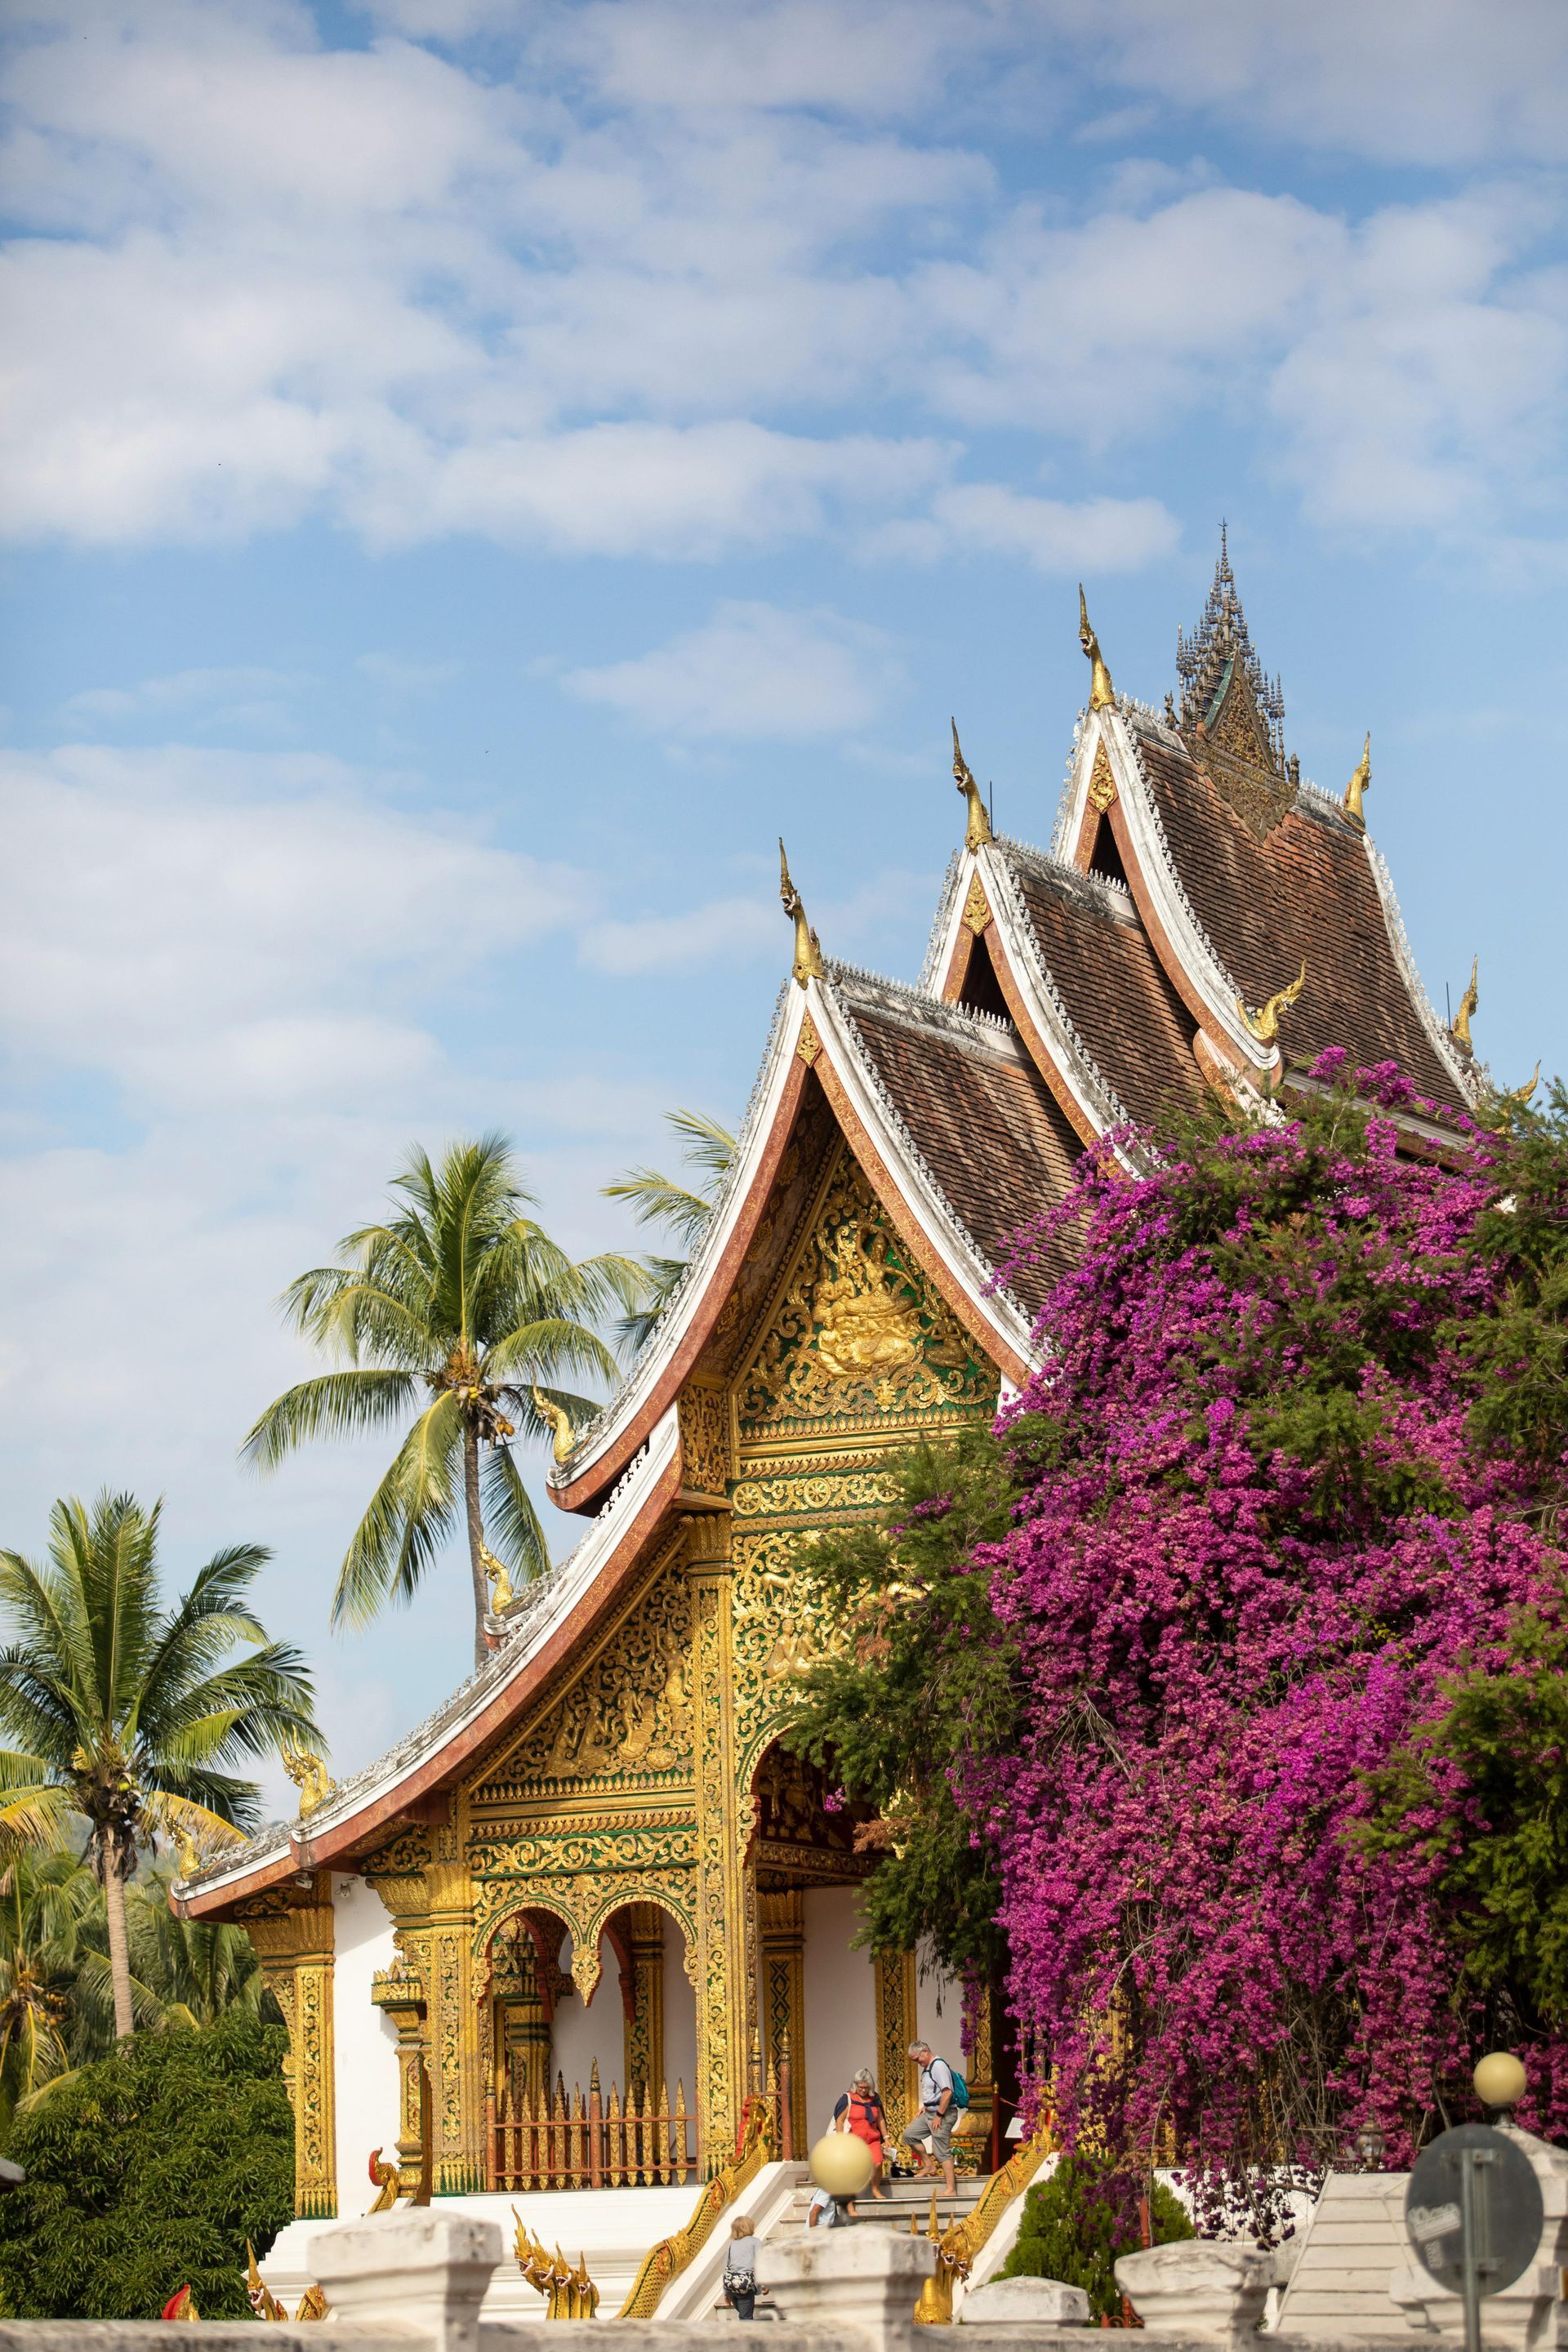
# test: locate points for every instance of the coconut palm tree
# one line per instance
(462, 1305)
(128, 1714)
(197, 1969)
(48, 1901)
(708, 1150)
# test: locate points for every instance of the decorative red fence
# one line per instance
(598, 2143)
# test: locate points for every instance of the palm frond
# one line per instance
(336, 1404)
(512, 1526)
(410, 1512)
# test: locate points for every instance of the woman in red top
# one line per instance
(860, 2110)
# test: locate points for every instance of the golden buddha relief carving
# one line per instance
(856, 1331)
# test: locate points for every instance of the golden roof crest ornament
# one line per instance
(501, 1593)
(807, 947)
(977, 831)
(1262, 1020)
(1100, 690)
(1359, 786)
(309, 1774)
(1469, 1005)
(557, 1421)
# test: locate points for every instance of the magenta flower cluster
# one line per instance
(1214, 1657)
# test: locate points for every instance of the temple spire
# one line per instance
(1470, 1004)
(807, 947)
(1218, 657)
(1360, 785)
(1100, 690)
(977, 831)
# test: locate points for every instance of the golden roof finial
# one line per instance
(1262, 1020)
(1359, 785)
(807, 947)
(556, 1420)
(1469, 1005)
(977, 832)
(309, 1774)
(1100, 690)
(502, 1594)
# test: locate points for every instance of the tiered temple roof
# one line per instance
(1150, 956)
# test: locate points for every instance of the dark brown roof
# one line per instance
(979, 1114)
(1305, 891)
(1136, 1029)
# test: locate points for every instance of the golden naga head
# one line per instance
(309, 1774)
(807, 947)
(977, 831)
(1469, 1005)
(1100, 690)
(501, 1593)
(1360, 785)
(557, 1421)
(1262, 1020)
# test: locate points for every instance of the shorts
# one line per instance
(938, 2130)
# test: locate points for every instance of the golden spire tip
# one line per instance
(807, 962)
(977, 830)
(1100, 690)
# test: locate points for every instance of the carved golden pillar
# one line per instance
(898, 2078)
(782, 1919)
(399, 1993)
(723, 1977)
(293, 1940)
(457, 2089)
(645, 2026)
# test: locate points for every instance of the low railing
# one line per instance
(593, 2143)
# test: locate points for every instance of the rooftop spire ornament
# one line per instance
(1470, 1004)
(807, 947)
(556, 1420)
(977, 831)
(1262, 1020)
(1360, 785)
(1100, 690)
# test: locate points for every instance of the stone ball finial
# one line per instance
(841, 2164)
(1498, 2080)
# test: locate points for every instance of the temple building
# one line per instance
(597, 1864)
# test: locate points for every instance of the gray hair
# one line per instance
(916, 2047)
(863, 2074)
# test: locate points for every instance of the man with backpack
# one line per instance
(943, 2093)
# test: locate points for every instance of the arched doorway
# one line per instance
(594, 2050)
(817, 1994)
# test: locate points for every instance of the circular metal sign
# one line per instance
(1508, 2207)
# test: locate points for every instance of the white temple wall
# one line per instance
(679, 2015)
(839, 1988)
(939, 2010)
(582, 2033)
(364, 2042)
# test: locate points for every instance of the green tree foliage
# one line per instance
(1075, 2224)
(147, 2172)
(1484, 1786)
(926, 1678)
(130, 1716)
(683, 1210)
(460, 1312)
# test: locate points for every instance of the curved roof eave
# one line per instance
(554, 1615)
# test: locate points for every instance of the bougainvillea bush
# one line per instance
(1234, 1658)
(1273, 1497)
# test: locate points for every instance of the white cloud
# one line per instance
(1095, 535)
(725, 930)
(752, 672)
(237, 697)
(188, 921)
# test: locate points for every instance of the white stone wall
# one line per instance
(364, 2040)
(840, 2000)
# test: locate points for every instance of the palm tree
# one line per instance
(47, 1901)
(197, 1970)
(708, 1150)
(460, 1298)
(128, 1714)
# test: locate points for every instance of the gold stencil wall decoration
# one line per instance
(623, 1722)
(857, 1333)
(294, 1945)
(896, 2079)
(1101, 782)
(723, 1983)
(705, 1466)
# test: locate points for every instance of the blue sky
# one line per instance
(476, 472)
